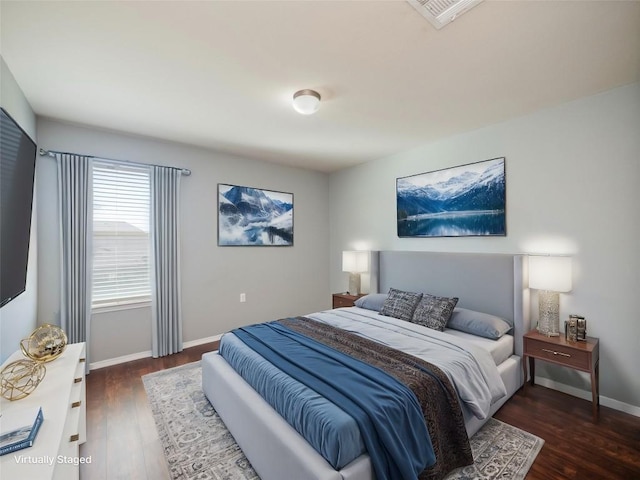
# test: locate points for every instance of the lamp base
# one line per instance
(549, 313)
(354, 284)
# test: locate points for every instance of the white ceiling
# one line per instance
(221, 74)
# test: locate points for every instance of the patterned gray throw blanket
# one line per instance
(435, 394)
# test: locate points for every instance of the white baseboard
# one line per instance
(586, 395)
(137, 356)
(201, 341)
(115, 361)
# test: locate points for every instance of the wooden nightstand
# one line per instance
(345, 300)
(583, 356)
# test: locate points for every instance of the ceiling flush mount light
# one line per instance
(306, 101)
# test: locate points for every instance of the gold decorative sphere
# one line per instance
(20, 378)
(46, 343)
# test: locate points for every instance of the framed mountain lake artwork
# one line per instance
(467, 200)
(250, 216)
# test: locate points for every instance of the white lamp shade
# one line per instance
(306, 102)
(550, 273)
(355, 261)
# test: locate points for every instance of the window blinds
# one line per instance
(120, 234)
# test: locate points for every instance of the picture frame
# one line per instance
(575, 329)
(465, 200)
(571, 329)
(250, 216)
(581, 329)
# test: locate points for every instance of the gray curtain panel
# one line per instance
(166, 329)
(75, 204)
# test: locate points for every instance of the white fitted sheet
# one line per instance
(500, 349)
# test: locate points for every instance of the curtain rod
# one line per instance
(52, 153)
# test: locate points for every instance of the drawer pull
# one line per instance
(74, 438)
(556, 353)
(76, 404)
(77, 380)
(82, 360)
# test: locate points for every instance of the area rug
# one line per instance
(198, 446)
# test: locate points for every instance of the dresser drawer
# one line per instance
(557, 354)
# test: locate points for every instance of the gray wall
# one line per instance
(18, 318)
(278, 281)
(572, 187)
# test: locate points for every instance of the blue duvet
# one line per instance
(387, 413)
(327, 428)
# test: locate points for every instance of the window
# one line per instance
(120, 235)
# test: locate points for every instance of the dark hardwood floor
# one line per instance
(575, 447)
(123, 443)
(121, 434)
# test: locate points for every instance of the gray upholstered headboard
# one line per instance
(486, 282)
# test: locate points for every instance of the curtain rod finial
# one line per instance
(46, 153)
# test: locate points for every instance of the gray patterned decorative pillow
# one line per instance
(400, 304)
(434, 312)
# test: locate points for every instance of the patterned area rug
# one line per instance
(198, 446)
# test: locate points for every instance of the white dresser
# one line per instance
(61, 394)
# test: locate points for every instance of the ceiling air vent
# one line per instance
(442, 12)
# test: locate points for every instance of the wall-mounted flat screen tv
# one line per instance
(17, 169)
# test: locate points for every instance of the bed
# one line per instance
(491, 283)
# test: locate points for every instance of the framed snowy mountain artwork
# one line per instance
(467, 200)
(254, 217)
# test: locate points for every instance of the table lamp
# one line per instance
(355, 263)
(550, 275)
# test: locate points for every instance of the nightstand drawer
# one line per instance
(583, 356)
(339, 302)
(557, 354)
(345, 300)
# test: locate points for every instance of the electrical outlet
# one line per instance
(243, 297)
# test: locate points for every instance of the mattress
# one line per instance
(317, 419)
(500, 349)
